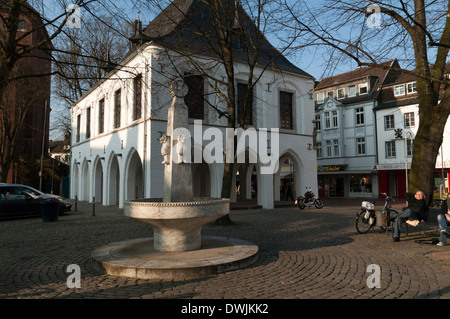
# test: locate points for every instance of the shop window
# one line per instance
(360, 184)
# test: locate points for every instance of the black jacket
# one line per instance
(445, 205)
(417, 206)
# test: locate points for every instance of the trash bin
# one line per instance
(49, 211)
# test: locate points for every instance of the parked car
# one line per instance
(18, 200)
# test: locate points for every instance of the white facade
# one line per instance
(125, 162)
(395, 147)
(346, 147)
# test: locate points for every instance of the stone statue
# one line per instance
(165, 148)
(180, 147)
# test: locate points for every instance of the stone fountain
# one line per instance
(177, 249)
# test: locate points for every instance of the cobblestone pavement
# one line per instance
(304, 254)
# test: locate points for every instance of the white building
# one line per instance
(397, 119)
(346, 131)
(116, 152)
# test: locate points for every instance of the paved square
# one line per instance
(304, 254)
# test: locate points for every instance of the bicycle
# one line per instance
(367, 217)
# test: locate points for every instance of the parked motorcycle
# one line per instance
(308, 200)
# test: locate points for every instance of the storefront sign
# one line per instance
(331, 168)
(392, 166)
(402, 166)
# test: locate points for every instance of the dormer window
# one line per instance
(363, 88)
(22, 25)
(320, 97)
(399, 90)
(340, 93)
(351, 91)
(411, 88)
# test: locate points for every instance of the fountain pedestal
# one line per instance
(177, 250)
(177, 226)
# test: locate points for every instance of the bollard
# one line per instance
(93, 206)
(76, 203)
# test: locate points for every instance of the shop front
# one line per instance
(392, 180)
(336, 181)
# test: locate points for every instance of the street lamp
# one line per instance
(406, 157)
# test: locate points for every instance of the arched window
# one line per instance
(22, 25)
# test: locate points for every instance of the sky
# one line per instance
(312, 61)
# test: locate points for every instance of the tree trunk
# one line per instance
(427, 143)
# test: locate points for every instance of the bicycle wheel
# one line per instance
(364, 222)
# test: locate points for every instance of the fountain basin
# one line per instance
(177, 225)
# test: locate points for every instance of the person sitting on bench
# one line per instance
(444, 220)
(414, 211)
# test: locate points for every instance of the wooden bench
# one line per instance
(430, 219)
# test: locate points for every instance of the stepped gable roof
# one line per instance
(188, 26)
(379, 75)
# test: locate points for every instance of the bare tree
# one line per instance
(18, 46)
(219, 35)
(416, 32)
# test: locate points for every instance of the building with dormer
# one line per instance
(346, 131)
(117, 125)
(366, 121)
(397, 121)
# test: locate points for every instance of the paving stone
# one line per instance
(304, 254)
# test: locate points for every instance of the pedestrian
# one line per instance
(444, 220)
(289, 192)
(283, 192)
(413, 212)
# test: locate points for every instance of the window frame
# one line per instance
(320, 100)
(335, 117)
(348, 88)
(363, 85)
(336, 148)
(289, 112)
(386, 128)
(117, 108)
(390, 149)
(327, 120)
(359, 115)
(329, 148)
(318, 124)
(361, 146)
(101, 116)
(319, 150)
(414, 88)
(78, 135)
(240, 101)
(399, 86)
(407, 119)
(137, 97)
(195, 98)
(338, 93)
(87, 135)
